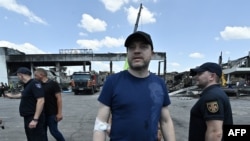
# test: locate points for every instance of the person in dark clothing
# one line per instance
(53, 104)
(213, 109)
(1, 124)
(2, 89)
(31, 106)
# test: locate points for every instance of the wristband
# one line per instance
(36, 120)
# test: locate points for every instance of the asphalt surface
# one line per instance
(80, 111)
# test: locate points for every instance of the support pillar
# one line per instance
(90, 67)
(31, 69)
(58, 72)
(3, 72)
(165, 69)
(159, 68)
(84, 66)
(111, 67)
(228, 79)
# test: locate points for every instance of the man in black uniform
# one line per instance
(31, 106)
(53, 104)
(213, 109)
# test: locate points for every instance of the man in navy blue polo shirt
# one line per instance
(31, 106)
(213, 109)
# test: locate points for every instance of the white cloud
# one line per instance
(27, 48)
(111, 42)
(146, 16)
(91, 24)
(94, 44)
(137, 1)
(235, 32)
(196, 55)
(21, 9)
(114, 5)
(174, 64)
(89, 44)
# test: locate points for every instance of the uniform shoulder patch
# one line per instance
(212, 106)
(38, 85)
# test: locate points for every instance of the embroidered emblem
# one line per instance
(38, 85)
(212, 106)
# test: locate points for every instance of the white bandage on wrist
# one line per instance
(101, 126)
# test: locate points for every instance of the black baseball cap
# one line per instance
(139, 35)
(209, 66)
(23, 70)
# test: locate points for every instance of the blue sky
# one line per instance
(191, 32)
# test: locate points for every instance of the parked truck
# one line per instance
(85, 82)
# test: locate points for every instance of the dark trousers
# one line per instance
(35, 134)
(53, 128)
(2, 92)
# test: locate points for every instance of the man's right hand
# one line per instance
(33, 124)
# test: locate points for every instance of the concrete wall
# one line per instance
(3, 70)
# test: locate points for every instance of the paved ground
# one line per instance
(181, 106)
(80, 112)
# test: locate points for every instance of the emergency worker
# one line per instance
(2, 89)
(213, 109)
(31, 106)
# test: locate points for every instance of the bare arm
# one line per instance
(102, 115)
(59, 116)
(10, 95)
(39, 109)
(167, 126)
(214, 130)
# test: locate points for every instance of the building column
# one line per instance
(228, 78)
(3, 72)
(165, 69)
(159, 68)
(90, 69)
(58, 72)
(31, 69)
(110, 67)
(84, 66)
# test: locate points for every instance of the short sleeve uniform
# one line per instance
(32, 91)
(135, 105)
(213, 105)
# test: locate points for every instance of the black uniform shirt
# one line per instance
(213, 105)
(32, 91)
(51, 88)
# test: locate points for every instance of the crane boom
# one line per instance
(126, 66)
(138, 17)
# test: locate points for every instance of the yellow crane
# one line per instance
(223, 80)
